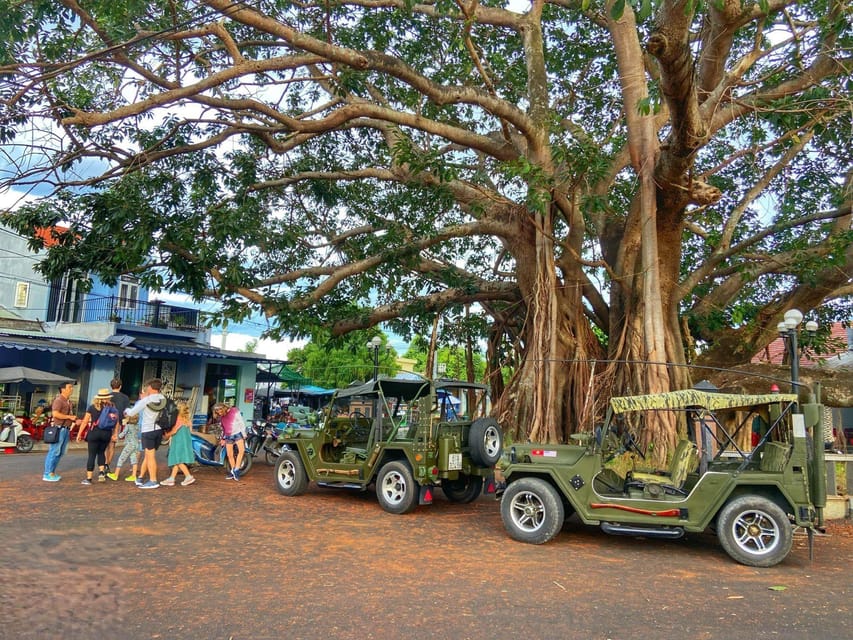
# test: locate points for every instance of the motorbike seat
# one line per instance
(212, 439)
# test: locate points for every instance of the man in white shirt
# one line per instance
(149, 404)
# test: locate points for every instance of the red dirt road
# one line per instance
(226, 560)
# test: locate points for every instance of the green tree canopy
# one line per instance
(336, 364)
(451, 357)
(601, 180)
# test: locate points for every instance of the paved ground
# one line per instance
(227, 560)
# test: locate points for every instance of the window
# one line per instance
(128, 292)
(22, 295)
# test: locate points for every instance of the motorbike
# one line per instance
(208, 452)
(263, 436)
(13, 434)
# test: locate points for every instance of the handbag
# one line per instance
(51, 434)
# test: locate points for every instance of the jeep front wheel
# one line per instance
(290, 476)
(463, 490)
(396, 489)
(531, 510)
(485, 439)
(755, 531)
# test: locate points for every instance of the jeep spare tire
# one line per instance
(485, 440)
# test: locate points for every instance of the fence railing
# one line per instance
(128, 311)
(834, 461)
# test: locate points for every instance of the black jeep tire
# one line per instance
(24, 444)
(532, 511)
(396, 488)
(290, 476)
(485, 440)
(755, 531)
(464, 490)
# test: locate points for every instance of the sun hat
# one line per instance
(104, 394)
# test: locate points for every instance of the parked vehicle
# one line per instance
(751, 498)
(13, 434)
(263, 438)
(423, 435)
(208, 452)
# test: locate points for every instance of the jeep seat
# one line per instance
(685, 459)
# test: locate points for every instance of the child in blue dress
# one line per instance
(180, 448)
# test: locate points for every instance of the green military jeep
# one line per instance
(752, 497)
(421, 434)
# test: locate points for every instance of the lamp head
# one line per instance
(793, 318)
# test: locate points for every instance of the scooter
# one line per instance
(263, 436)
(208, 452)
(13, 434)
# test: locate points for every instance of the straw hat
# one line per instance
(104, 394)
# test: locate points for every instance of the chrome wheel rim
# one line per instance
(286, 474)
(492, 441)
(755, 532)
(394, 487)
(527, 511)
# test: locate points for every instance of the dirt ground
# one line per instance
(220, 559)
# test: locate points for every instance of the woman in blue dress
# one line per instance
(180, 448)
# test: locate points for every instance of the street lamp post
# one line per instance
(789, 330)
(373, 346)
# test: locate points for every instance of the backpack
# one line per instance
(109, 418)
(167, 416)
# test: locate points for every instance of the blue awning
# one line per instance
(177, 347)
(53, 344)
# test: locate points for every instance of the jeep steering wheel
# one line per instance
(354, 418)
(631, 444)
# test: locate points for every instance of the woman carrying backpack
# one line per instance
(103, 418)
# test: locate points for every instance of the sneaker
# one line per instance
(188, 481)
(102, 477)
(112, 476)
(51, 477)
(87, 482)
(149, 485)
(235, 473)
(168, 482)
(130, 478)
(232, 475)
(139, 482)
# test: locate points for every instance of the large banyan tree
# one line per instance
(609, 186)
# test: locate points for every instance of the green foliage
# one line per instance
(383, 165)
(450, 361)
(338, 363)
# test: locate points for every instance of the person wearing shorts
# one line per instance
(233, 435)
(150, 434)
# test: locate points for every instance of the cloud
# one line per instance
(269, 348)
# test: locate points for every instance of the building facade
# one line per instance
(106, 332)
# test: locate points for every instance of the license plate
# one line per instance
(454, 462)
